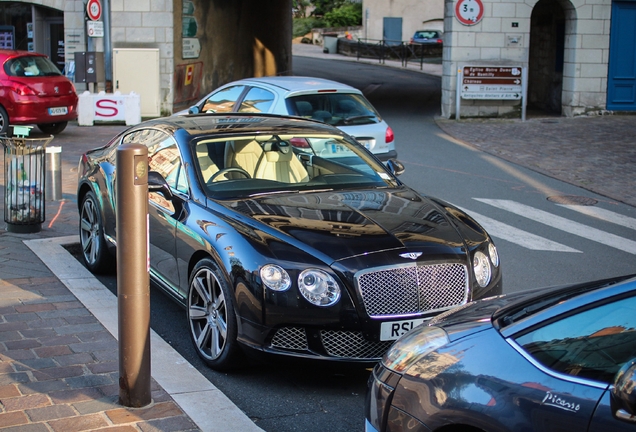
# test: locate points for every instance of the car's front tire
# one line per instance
(95, 253)
(52, 128)
(211, 317)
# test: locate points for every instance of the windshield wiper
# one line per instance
(350, 120)
(272, 193)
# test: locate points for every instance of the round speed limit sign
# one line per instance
(94, 9)
(469, 12)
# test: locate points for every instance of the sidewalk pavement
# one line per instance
(58, 349)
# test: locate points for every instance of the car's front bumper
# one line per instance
(380, 415)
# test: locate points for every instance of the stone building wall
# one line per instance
(585, 53)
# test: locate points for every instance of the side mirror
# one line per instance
(158, 184)
(193, 110)
(623, 393)
(395, 166)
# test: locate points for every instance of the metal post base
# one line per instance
(24, 229)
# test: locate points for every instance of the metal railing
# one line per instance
(384, 49)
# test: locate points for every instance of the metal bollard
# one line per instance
(53, 184)
(133, 275)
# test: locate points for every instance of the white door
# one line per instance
(137, 70)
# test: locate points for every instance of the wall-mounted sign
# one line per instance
(189, 74)
(469, 12)
(190, 48)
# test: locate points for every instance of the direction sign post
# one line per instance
(491, 83)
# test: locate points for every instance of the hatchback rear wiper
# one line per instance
(350, 120)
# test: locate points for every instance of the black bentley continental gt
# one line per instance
(287, 236)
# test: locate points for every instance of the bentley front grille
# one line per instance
(342, 344)
(349, 344)
(412, 289)
(293, 338)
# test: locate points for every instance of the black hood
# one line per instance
(344, 224)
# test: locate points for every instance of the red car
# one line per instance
(34, 91)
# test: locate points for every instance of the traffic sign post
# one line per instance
(491, 83)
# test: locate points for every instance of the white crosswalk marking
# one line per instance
(602, 214)
(564, 224)
(515, 235)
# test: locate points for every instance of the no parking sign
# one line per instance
(94, 9)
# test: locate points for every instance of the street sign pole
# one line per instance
(458, 94)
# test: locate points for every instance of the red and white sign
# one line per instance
(94, 9)
(109, 108)
(469, 12)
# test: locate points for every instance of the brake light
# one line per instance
(439, 41)
(23, 89)
(299, 142)
(388, 137)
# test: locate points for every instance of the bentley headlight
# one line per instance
(481, 267)
(494, 255)
(318, 287)
(275, 277)
(412, 346)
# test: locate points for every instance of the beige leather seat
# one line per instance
(208, 167)
(243, 154)
(282, 167)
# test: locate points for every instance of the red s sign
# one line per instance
(106, 108)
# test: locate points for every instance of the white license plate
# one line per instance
(366, 143)
(394, 329)
(337, 148)
(56, 111)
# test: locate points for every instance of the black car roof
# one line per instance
(245, 123)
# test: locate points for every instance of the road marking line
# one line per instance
(517, 236)
(564, 224)
(602, 214)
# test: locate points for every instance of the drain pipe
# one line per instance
(108, 47)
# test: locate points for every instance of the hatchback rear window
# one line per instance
(31, 66)
(337, 109)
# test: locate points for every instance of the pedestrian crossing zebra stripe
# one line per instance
(517, 236)
(602, 214)
(564, 224)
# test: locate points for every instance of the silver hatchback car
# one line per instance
(334, 103)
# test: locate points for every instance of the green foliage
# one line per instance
(302, 26)
(349, 14)
(324, 6)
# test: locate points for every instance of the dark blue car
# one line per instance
(555, 359)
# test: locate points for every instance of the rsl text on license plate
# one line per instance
(394, 329)
(56, 111)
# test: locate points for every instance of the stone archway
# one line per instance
(546, 57)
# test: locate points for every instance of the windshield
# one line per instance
(337, 109)
(244, 166)
(31, 66)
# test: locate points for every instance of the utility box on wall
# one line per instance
(136, 70)
(89, 67)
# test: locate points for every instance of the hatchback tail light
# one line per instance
(299, 142)
(388, 137)
(23, 89)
